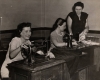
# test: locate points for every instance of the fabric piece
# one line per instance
(71, 58)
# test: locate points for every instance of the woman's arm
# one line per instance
(69, 23)
(57, 44)
(86, 26)
(83, 34)
(15, 49)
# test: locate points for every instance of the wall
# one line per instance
(43, 13)
(60, 8)
(14, 12)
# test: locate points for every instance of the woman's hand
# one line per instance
(74, 43)
(50, 54)
(26, 44)
(40, 52)
(82, 36)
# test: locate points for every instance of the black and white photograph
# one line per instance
(49, 40)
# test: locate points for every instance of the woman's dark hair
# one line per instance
(20, 28)
(59, 21)
(77, 4)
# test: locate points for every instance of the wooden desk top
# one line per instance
(36, 66)
(48, 63)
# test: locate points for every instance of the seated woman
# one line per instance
(56, 39)
(56, 36)
(14, 52)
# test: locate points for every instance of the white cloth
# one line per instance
(4, 70)
(89, 42)
(82, 36)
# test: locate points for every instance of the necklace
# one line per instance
(60, 34)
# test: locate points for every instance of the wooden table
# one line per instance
(54, 69)
(85, 61)
(47, 70)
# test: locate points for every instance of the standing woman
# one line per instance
(77, 22)
(14, 50)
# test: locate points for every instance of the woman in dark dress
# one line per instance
(77, 22)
